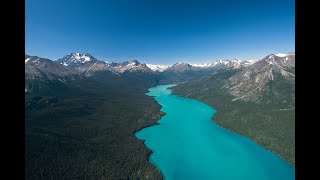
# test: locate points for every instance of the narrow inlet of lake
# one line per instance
(187, 144)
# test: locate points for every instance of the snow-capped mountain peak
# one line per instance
(281, 55)
(130, 66)
(156, 67)
(280, 60)
(234, 63)
(76, 60)
(81, 57)
(204, 65)
(31, 59)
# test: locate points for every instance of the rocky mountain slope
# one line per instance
(252, 82)
(81, 65)
(36, 67)
(131, 66)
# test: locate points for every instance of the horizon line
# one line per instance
(184, 60)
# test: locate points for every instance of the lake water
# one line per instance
(187, 144)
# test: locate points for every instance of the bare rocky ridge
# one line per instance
(99, 66)
(36, 67)
(250, 84)
(181, 67)
(224, 64)
(131, 66)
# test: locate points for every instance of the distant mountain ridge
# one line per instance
(79, 60)
(84, 64)
(157, 67)
(41, 67)
(130, 66)
(236, 63)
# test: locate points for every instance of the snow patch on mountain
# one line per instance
(80, 57)
(204, 65)
(156, 67)
(234, 62)
(77, 60)
(130, 66)
(281, 55)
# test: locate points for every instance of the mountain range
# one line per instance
(86, 63)
(80, 65)
(83, 112)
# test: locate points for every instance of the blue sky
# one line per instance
(160, 31)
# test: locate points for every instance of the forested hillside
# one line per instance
(84, 129)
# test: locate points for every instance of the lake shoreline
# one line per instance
(159, 157)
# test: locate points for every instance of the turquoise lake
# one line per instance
(188, 144)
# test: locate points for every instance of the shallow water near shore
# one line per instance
(188, 144)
